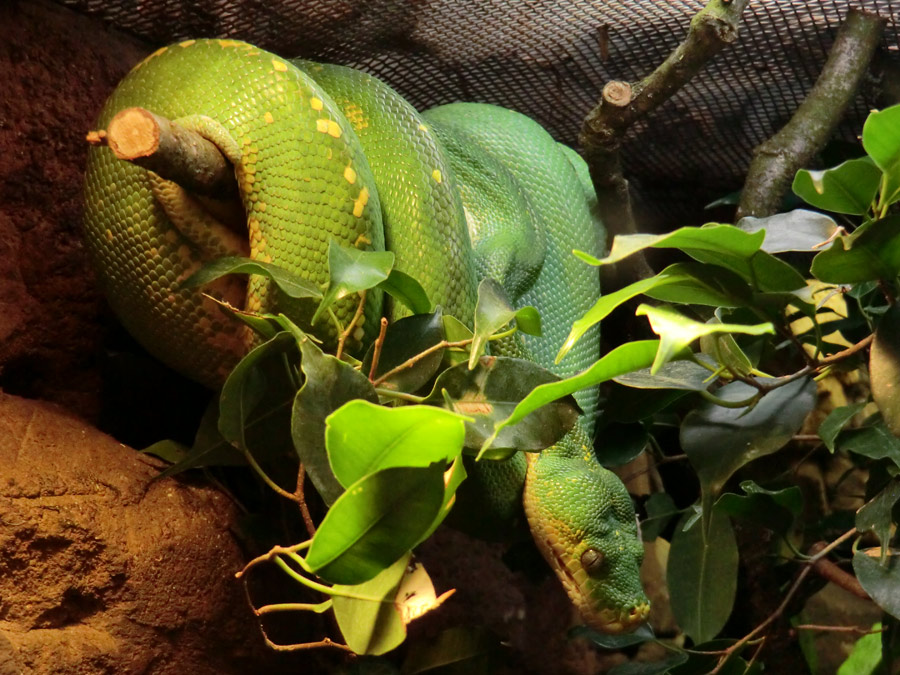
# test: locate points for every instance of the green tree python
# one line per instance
(325, 152)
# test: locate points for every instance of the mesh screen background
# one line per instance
(549, 59)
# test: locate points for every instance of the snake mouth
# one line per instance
(622, 621)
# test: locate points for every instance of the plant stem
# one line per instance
(349, 329)
(376, 351)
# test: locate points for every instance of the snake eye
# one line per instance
(591, 560)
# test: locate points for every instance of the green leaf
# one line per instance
(351, 270)
(376, 521)
(870, 254)
(403, 340)
(168, 451)
(462, 649)
(649, 668)
(329, 384)
(835, 422)
(455, 331)
(453, 478)
(797, 230)
(704, 570)
(718, 440)
(847, 188)
(884, 368)
(362, 438)
(622, 443)
(774, 510)
(660, 510)
(493, 311)
(400, 286)
(880, 581)
(865, 658)
(623, 359)
(373, 625)
(726, 351)
(290, 284)
(491, 391)
(209, 448)
(613, 642)
(881, 140)
(876, 515)
(684, 374)
(682, 282)
(873, 440)
(676, 331)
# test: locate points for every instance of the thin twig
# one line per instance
(847, 353)
(350, 326)
(443, 344)
(301, 500)
(839, 629)
(376, 350)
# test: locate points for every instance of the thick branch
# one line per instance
(175, 153)
(603, 130)
(777, 160)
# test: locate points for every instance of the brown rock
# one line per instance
(104, 571)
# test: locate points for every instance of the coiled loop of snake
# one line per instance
(322, 153)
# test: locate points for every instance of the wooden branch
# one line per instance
(776, 160)
(603, 130)
(172, 151)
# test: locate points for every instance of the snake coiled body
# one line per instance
(325, 152)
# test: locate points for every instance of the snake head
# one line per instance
(583, 521)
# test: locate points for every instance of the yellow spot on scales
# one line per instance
(230, 43)
(350, 175)
(322, 126)
(361, 202)
(109, 235)
(280, 66)
(334, 129)
(186, 43)
(268, 118)
(422, 127)
(436, 174)
(316, 103)
(355, 115)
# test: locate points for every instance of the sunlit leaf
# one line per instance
(370, 622)
(376, 521)
(718, 440)
(290, 284)
(884, 368)
(869, 255)
(404, 339)
(351, 270)
(726, 351)
(329, 384)
(362, 438)
(706, 571)
(797, 230)
(880, 581)
(881, 140)
(624, 359)
(402, 287)
(676, 331)
(416, 595)
(491, 391)
(847, 188)
(453, 478)
(837, 419)
(493, 311)
(865, 658)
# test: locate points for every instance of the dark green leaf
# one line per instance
(867, 255)
(622, 443)
(491, 391)
(400, 286)
(797, 230)
(774, 510)
(362, 438)
(209, 448)
(705, 574)
(876, 514)
(329, 384)
(873, 440)
(290, 284)
(880, 581)
(372, 626)
(835, 422)
(493, 311)
(624, 404)
(351, 270)
(455, 331)
(881, 140)
(676, 331)
(168, 451)
(403, 340)
(884, 368)
(376, 521)
(623, 359)
(719, 440)
(847, 188)
(265, 325)
(684, 374)
(466, 650)
(651, 668)
(660, 510)
(613, 642)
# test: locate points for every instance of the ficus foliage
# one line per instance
(731, 378)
